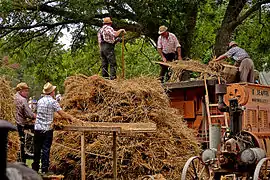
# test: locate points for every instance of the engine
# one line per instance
(238, 150)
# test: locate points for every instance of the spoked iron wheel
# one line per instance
(262, 171)
(195, 169)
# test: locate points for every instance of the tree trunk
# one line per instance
(190, 24)
(228, 26)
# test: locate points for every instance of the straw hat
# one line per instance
(232, 43)
(162, 29)
(48, 88)
(21, 86)
(107, 20)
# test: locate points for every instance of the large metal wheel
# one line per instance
(195, 169)
(262, 171)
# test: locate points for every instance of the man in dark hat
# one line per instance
(106, 41)
(22, 113)
(242, 60)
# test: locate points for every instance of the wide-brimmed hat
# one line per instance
(232, 43)
(21, 86)
(107, 20)
(162, 29)
(48, 88)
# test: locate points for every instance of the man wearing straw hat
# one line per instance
(106, 41)
(43, 137)
(242, 60)
(169, 49)
(22, 113)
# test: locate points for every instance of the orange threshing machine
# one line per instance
(233, 125)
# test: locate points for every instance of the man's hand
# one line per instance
(164, 59)
(123, 31)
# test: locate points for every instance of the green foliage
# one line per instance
(139, 58)
(208, 21)
(254, 37)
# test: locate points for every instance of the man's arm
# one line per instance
(28, 112)
(117, 33)
(161, 54)
(65, 115)
(223, 56)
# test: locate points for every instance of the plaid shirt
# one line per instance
(168, 45)
(45, 109)
(237, 53)
(22, 109)
(107, 34)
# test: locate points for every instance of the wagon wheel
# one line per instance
(195, 169)
(262, 171)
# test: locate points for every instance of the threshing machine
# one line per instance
(232, 124)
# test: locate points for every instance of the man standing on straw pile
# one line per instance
(46, 107)
(169, 49)
(106, 41)
(22, 113)
(242, 60)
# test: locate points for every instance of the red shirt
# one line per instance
(108, 34)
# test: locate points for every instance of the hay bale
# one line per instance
(178, 68)
(229, 73)
(7, 112)
(213, 69)
(93, 99)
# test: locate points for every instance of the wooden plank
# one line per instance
(263, 145)
(114, 156)
(218, 116)
(198, 122)
(188, 107)
(267, 140)
(208, 112)
(89, 128)
(83, 156)
(112, 127)
(188, 84)
(123, 60)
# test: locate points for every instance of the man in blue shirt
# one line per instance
(43, 137)
(242, 59)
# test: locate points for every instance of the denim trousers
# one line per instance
(42, 147)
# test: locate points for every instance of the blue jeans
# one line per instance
(42, 147)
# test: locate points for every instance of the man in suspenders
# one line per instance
(107, 40)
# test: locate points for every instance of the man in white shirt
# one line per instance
(169, 49)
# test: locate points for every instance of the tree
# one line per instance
(234, 16)
(24, 20)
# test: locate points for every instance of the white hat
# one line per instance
(107, 20)
(21, 86)
(162, 29)
(48, 88)
(232, 43)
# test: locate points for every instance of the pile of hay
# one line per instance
(178, 67)
(93, 99)
(7, 112)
